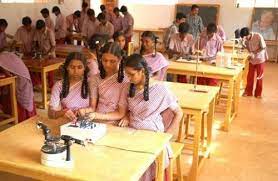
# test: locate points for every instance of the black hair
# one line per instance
(194, 6)
(56, 9)
(84, 5)
(123, 9)
(137, 62)
(184, 27)
(153, 37)
(45, 11)
(211, 28)
(244, 32)
(40, 24)
(26, 21)
(66, 84)
(115, 49)
(116, 9)
(77, 13)
(101, 16)
(117, 34)
(179, 16)
(237, 33)
(90, 12)
(3, 23)
(97, 41)
(102, 7)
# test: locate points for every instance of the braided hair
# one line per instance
(66, 83)
(153, 37)
(137, 62)
(114, 49)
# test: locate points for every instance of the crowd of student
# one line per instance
(111, 86)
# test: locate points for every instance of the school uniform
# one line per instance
(221, 33)
(256, 64)
(128, 21)
(26, 38)
(72, 24)
(89, 28)
(117, 22)
(107, 29)
(173, 29)
(60, 29)
(49, 23)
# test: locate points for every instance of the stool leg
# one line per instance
(179, 170)
(170, 170)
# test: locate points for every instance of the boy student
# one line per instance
(210, 44)
(195, 21)
(256, 46)
(60, 25)
(25, 35)
(117, 20)
(72, 21)
(48, 21)
(173, 29)
(89, 27)
(83, 14)
(104, 11)
(3, 34)
(104, 27)
(128, 23)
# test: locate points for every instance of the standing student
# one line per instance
(104, 11)
(109, 87)
(117, 20)
(10, 64)
(83, 14)
(210, 44)
(181, 45)
(48, 21)
(156, 61)
(128, 23)
(25, 35)
(60, 25)
(4, 35)
(89, 27)
(195, 21)
(72, 21)
(256, 46)
(173, 29)
(72, 92)
(104, 27)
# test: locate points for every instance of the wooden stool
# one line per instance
(177, 149)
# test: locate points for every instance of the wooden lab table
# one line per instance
(196, 103)
(63, 50)
(122, 154)
(231, 76)
(43, 67)
(10, 81)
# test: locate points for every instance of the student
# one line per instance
(72, 21)
(210, 44)
(4, 35)
(10, 65)
(60, 25)
(104, 27)
(83, 14)
(128, 23)
(195, 21)
(109, 87)
(104, 11)
(89, 27)
(117, 20)
(173, 29)
(156, 61)
(119, 37)
(221, 33)
(72, 93)
(256, 46)
(25, 35)
(48, 21)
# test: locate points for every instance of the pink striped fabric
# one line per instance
(158, 64)
(93, 66)
(73, 101)
(109, 93)
(24, 87)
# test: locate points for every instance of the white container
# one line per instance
(220, 59)
(227, 60)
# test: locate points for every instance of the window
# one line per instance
(257, 3)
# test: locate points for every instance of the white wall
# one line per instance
(13, 12)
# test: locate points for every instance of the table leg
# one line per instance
(44, 89)
(160, 166)
(195, 163)
(14, 102)
(229, 105)
(237, 93)
(210, 123)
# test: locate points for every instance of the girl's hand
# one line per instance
(70, 115)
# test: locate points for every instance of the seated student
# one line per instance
(117, 20)
(60, 25)
(10, 64)
(47, 19)
(119, 37)
(4, 35)
(89, 26)
(181, 45)
(221, 33)
(173, 29)
(95, 44)
(72, 93)
(109, 88)
(104, 27)
(156, 61)
(210, 44)
(256, 46)
(72, 21)
(25, 35)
